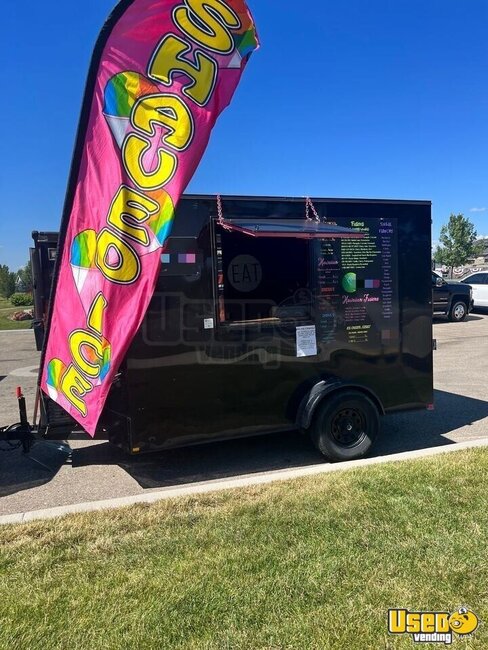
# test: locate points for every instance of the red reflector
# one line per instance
(430, 407)
(19, 392)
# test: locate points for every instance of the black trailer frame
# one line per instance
(243, 284)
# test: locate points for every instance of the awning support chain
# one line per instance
(310, 206)
(220, 214)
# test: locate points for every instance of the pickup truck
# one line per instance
(451, 298)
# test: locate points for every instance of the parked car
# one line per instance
(479, 283)
(451, 298)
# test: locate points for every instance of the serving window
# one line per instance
(262, 280)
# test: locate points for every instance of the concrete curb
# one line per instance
(237, 482)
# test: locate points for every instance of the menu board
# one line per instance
(356, 285)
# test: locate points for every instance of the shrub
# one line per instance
(21, 299)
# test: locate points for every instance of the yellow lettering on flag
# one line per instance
(207, 22)
(169, 58)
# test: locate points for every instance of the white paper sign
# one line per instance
(208, 323)
(306, 341)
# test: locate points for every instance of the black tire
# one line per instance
(458, 311)
(345, 425)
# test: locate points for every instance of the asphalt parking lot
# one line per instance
(97, 470)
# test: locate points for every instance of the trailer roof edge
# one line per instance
(299, 199)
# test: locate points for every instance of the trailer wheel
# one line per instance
(345, 425)
(458, 311)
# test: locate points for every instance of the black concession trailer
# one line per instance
(271, 314)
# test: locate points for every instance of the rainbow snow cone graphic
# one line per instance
(99, 359)
(55, 370)
(82, 259)
(121, 93)
(246, 42)
(160, 223)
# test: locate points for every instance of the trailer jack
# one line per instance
(48, 454)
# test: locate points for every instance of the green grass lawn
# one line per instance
(6, 310)
(311, 563)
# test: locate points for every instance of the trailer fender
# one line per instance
(321, 390)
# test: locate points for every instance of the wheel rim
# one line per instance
(459, 311)
(348, 427)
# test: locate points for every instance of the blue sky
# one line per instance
(385, 98)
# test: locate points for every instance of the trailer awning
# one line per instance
(299, 228)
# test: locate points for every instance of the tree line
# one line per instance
(11, 281)
(459, 242)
